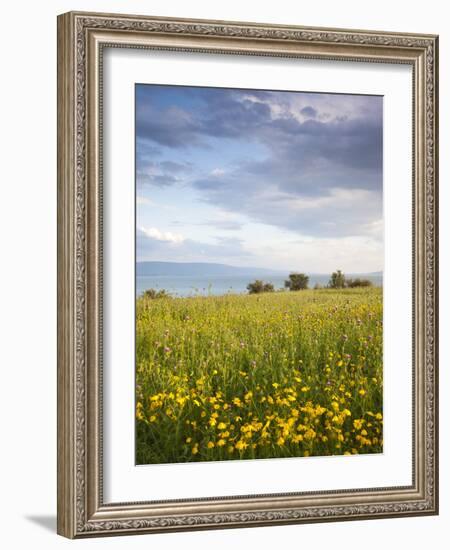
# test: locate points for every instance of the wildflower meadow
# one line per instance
(282, 374)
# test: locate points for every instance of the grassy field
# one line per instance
(259, 376)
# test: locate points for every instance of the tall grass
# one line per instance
(260, 376)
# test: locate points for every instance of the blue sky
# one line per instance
(283, 180)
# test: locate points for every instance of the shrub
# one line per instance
(154, 294)
(354, 283)
(258, 286)
(297, 281)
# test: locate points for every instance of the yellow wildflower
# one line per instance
(357, 423)
(241, 445)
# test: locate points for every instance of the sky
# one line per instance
(274, 179)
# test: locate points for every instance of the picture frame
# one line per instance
(82, 41)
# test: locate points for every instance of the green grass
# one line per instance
(259, 376)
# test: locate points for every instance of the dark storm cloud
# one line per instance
(222, 115)
(353, 144)
(309, 112)
(171, 128)
(320, 172)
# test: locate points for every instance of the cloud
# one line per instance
(335, 212)
(308, 112)
(323, 255)
(169, 128)
(224, 114)
(153, 244)
(175, 167)
(160, 174)
(316, 255)
(160, 180)
(318, 166)
(227, 225)
(227, 113)
(164, 236)
(217, 172)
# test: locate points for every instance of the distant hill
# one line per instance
(193, 269)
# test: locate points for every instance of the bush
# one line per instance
(354, 283)
(297, 281)
(154, 294)
(337, 280)
(258, 286)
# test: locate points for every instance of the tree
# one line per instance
(258, 286)
(337, 280)
(297, 281)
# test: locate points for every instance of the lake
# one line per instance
(216, 285)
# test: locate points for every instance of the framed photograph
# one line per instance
(247, 274)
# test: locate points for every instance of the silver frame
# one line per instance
(81, 40)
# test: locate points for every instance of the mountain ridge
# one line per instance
(150, 268)
(156, 268)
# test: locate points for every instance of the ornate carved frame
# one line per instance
(81, 39)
